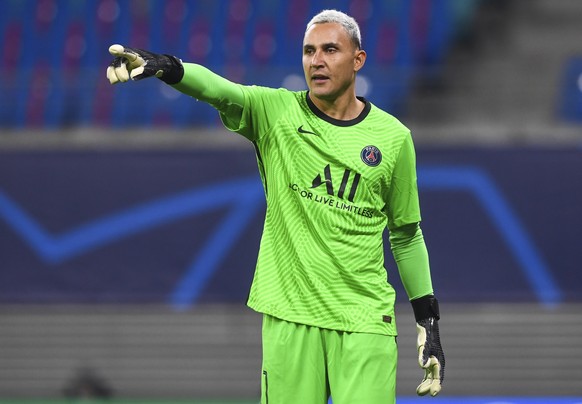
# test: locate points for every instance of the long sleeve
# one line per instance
(204, 85)
(411, 256)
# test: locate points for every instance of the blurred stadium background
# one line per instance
(130, 219)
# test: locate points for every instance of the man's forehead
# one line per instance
(329, 32)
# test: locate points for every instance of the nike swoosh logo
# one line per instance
(301, 130)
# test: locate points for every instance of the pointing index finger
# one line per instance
(119, 51)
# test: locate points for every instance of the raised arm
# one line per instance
(189, 78)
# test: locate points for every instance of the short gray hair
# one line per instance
(347, 22)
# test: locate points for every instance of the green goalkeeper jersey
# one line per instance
(332, 187)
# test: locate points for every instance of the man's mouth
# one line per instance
(319, 78)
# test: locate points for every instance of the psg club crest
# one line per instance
(371, 155)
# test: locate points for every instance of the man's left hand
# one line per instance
(430, 357)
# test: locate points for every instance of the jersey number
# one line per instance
(317, 181)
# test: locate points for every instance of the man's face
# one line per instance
(330, 61)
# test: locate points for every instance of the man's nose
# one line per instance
(316, 59)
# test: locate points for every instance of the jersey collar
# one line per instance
(339, 122)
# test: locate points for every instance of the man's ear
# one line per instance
(359, 59)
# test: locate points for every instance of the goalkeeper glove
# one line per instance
(137, 64)
(430, 353)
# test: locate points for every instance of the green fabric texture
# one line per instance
(332, 188)
(303, 364)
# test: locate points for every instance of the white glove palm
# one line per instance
(430, 357)
(126, 65)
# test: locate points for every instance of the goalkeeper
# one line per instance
(336, 171)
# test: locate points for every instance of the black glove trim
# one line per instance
(167, 68)
(173, 71)
(425, 307)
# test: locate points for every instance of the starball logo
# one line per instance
(342, 198)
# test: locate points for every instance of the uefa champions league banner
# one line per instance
(183, 227)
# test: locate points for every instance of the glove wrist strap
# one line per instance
(425, 307)
(173, 70)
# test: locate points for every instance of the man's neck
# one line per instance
(343, 108)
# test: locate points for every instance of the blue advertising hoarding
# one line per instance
(183, 227)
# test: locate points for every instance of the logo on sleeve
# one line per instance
(371, 155)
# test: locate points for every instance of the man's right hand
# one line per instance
(137, 64)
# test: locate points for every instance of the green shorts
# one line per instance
(307, 365)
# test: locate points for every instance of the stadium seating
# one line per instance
(54, 53)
